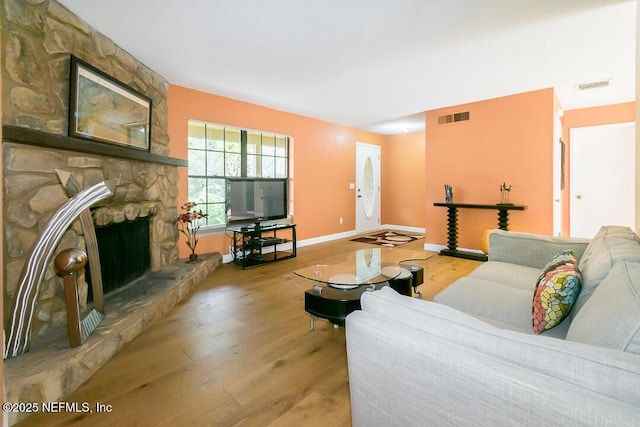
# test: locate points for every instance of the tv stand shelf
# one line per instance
(263, 243)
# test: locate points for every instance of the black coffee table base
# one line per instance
(334, 304)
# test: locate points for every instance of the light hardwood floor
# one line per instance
(237, 352)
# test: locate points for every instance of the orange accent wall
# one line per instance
(602, 115)
(593, 116)
(507, 139)
(322, 167)
(403, 179)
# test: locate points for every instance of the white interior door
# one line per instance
(602, 178)
(367, 187)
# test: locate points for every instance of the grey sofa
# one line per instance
(471, 357)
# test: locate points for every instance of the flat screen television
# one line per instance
(256, 199)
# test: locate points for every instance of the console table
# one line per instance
(452, 225)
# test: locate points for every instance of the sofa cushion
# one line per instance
(489, 300)
(608, 230)
(611, 317)
(514, 275)
(557, 289)
(529, 249)
(559, 331)
(605, 251)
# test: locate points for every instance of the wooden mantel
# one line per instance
(61, 142)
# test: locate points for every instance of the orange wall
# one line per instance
(323, 159)
(403, 180)
(594, 116)
(506, 139)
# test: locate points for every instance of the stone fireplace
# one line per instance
(38, 39)
(33, 193)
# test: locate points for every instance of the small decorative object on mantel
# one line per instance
(189, 223)
(504, 194)
(448, 193)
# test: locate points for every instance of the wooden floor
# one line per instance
(237, 352)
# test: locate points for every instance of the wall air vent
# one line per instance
(452, 118)
(594, 85)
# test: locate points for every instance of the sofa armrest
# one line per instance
(414, 362)
(532, 250)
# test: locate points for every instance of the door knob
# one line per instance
(579, 196)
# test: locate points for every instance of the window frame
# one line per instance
(277, 171)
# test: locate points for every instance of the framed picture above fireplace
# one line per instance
(103, 109)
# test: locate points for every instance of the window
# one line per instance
(217, 152)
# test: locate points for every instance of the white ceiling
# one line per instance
(377, 64)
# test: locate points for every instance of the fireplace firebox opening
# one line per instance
(124, 254)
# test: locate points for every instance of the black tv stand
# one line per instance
(258, 244)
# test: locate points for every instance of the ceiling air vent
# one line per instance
(452, 118)
(594, 85)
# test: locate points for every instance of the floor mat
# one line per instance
(388, 238)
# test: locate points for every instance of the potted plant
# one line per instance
(189, 224)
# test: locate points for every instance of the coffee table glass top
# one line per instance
(364, 267)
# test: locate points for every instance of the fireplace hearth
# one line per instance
(52, 369)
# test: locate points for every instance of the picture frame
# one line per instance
(104, 109)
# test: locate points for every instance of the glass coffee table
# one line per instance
(338, 287)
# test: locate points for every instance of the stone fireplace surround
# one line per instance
(38, 37)
(145, 188)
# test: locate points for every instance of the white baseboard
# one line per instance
(327, 238)
(437, 248)
(433, 247)
(403, 228)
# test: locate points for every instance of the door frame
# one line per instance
(572, 149)
(360, 226)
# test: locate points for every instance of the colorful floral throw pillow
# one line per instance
(558, 287)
